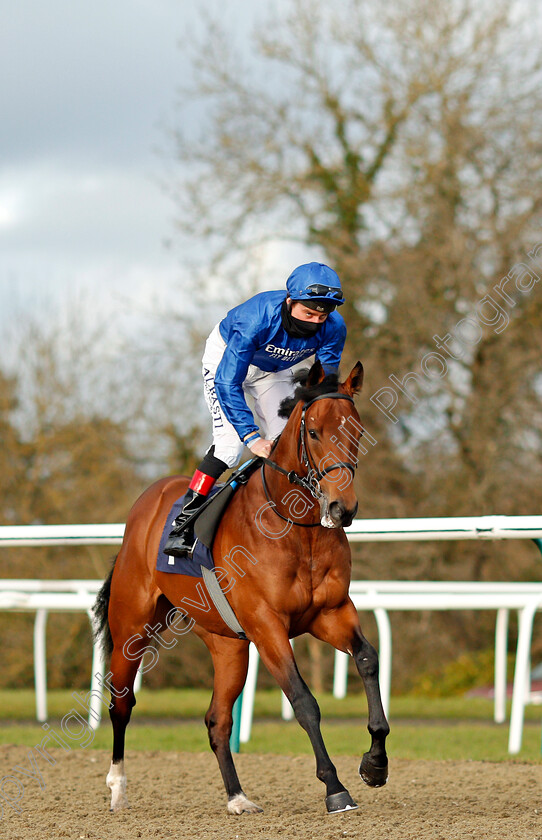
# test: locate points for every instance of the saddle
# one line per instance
(207, 518)
(206, 521)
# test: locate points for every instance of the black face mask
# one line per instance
(295, 327)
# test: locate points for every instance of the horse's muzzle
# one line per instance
(341, 517)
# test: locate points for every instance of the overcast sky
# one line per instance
(85, 92)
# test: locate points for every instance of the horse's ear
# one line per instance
(355, 380)
(316, 374)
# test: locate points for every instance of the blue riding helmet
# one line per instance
(315, 281)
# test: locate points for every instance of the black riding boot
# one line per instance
(181, 540)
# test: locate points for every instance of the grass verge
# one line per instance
(422, 728)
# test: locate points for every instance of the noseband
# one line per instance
(311, 481)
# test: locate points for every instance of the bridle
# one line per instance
(311, 481)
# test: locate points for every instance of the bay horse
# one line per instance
(282, 580)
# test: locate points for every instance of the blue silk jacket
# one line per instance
(254, 335)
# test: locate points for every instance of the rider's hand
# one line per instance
(261, 447)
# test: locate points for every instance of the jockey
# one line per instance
(252, 352)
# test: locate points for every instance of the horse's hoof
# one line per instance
(336, 803)
(371, 774)
(118, 808)
(119, 803)
(239, 804)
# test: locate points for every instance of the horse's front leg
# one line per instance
(276, 654)
(373, 768)
(341, 629)
(230, 661)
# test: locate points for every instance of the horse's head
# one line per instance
(328, 432)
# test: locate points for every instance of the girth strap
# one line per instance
(221, 603)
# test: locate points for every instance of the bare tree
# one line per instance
(86, 423)
(402, 144)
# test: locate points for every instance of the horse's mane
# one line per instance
(328, 385)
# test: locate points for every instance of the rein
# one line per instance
(311, 481)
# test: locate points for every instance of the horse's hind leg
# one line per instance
(130, 641)
(341, 629)
(122, 701)
(230, 660)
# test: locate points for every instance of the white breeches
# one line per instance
(265, 390)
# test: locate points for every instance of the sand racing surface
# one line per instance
(180, 795)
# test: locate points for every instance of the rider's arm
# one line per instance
(230, 375)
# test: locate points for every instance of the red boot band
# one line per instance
(201, 483)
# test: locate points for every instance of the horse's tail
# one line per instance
(100, 610)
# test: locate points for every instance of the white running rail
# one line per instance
(378, 596)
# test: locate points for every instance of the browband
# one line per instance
(332, 396)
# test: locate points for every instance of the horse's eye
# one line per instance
(312, 434)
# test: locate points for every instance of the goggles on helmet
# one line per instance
(321, 291)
